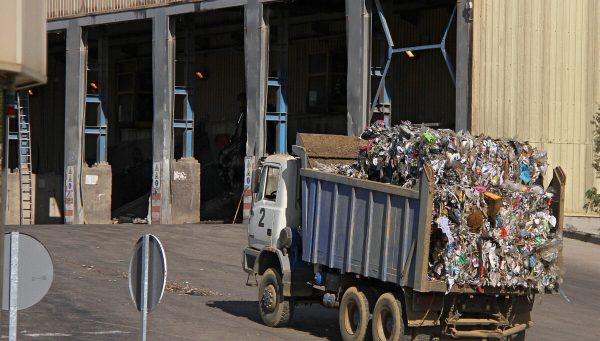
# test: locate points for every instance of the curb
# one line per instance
(582, 236)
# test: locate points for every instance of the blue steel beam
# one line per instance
(391, 50)
(187, 123)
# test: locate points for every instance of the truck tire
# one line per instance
(354, 315)
(388, 324)
(275, 310)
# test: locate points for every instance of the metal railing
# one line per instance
(58, 9)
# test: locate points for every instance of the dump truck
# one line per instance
(363, 247)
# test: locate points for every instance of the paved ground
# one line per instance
(585, 228)
(89, 299)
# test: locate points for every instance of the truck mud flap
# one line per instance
(249, 257)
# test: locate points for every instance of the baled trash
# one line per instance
(492, 220)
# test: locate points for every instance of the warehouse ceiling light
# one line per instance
(410, 54)
(201, 74)
(94, 86)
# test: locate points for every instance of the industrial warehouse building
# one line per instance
(151, 106)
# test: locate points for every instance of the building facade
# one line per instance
(152, 106)
(536, 76)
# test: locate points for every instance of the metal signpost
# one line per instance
(29, 270)
(147, 276)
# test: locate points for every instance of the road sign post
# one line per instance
(14, 285)
(145, 256)
(147, 277)
(27, 275)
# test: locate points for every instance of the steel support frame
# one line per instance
(358, 28)
(75, 80)
(187, 122)
(279, 84)
(162, 134)
(101, 100)
(256, 54)
(279, 116)
(391, 50)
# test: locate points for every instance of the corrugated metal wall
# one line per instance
(300, 49)
(73, 8)
(536, 76)
(215, 99)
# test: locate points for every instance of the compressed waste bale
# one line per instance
(492, 221)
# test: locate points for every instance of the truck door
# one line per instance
(265, 211)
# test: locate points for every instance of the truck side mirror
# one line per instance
(255, 180)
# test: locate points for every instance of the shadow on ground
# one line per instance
(315, 320)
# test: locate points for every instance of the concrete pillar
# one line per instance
(358, 31)
(256, 52)
(96, 192)
(463, 64)
(75, 79)
(186, 191)
(162, 126)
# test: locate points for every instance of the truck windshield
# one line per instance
(269, 182)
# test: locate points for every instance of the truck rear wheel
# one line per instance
(275, 310)
(388, 323)
(354, 315)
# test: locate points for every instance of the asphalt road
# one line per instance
(89, 298)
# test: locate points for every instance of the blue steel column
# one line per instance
(282, 125)
(75, 79)
(162, 133)
(282, 74)
(100, 101)
(188, 146)
(279, 84)
(103, 86)
(187, 123)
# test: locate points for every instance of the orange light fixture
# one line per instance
(410, 54)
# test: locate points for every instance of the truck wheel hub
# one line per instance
(269, 300)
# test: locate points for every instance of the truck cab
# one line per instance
(274, 249)
(275, 203)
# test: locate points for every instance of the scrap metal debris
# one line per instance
(492, 221)
(186, 289)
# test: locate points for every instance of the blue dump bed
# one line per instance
(379, 230)
(367, 228)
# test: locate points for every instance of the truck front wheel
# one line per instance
(275, 310)
(354, 315)
(387, 320)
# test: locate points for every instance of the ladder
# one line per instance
(24, 138)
